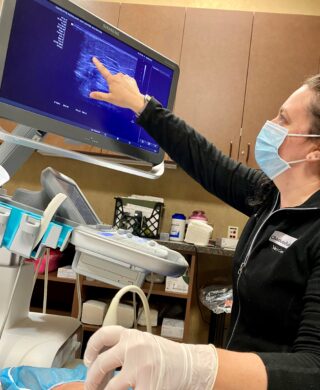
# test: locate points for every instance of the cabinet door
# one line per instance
(7, 125)
(284, 51)
(159, 27)
(110, 13)
(106, 11)
(214, 63)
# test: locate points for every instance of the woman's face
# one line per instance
(296, 117)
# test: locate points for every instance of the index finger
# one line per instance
(101, 68)
(107, 336)
(102, 370)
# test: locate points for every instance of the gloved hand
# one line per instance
(148, 362)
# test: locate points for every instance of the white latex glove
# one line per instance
(148, 362)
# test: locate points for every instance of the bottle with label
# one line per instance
(178, 225)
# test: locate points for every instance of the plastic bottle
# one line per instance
(198, 231)
(178, 225)
(199, 215)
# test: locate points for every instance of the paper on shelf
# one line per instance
(132, 208)
(146, 197)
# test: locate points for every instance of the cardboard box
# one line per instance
(172, 328)
(227, 243)
(93, 312)
(66, 272)
(177, 285)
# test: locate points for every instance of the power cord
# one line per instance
(136, 306)
(111, 317)
(134, 302)
(35, 276)
(79, 297)
(46, 281)
(148, 295)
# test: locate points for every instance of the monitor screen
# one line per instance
(76, 207)
(46, 75)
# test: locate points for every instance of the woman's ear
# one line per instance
(313, 156)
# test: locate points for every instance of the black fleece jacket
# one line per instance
(276, 272)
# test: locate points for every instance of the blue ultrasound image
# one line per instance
(58, 74)
(113, 58)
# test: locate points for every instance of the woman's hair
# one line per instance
(313, 83)
(260, 192)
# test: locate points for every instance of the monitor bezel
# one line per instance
(50, 125)
(51, 181)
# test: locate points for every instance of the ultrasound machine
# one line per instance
(46, 75)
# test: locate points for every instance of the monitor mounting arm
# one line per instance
(13, 156)
(20, 144)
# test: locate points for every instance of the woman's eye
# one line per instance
(282, 119)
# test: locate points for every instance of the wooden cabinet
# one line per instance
(62, 300)
(104, 10)
(7, 125)
(214, 62)
(237, 68)
(284, 51)
(62, 295)
(159, 27)
(180, 304)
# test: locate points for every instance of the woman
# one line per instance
(274, 342)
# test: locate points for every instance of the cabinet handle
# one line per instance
(230, 149)
(248, 152)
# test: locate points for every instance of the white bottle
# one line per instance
(198, 232)
(178, 226)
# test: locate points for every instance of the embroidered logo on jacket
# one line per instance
(282, 239)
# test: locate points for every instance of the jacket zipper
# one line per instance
(244, 263)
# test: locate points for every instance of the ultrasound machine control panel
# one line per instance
(101, 252)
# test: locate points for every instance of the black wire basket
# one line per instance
(139, 225)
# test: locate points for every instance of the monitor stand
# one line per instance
(13, 156)
(25, 137)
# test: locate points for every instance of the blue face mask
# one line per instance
(268, 142)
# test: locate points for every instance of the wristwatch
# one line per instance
(147, 99)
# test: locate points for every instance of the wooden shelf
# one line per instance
(156, 330)
(90, 328)
(157, 289)
(54, 278)
(51, 311)
(196, 330)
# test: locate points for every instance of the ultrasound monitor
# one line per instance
(46, 75)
